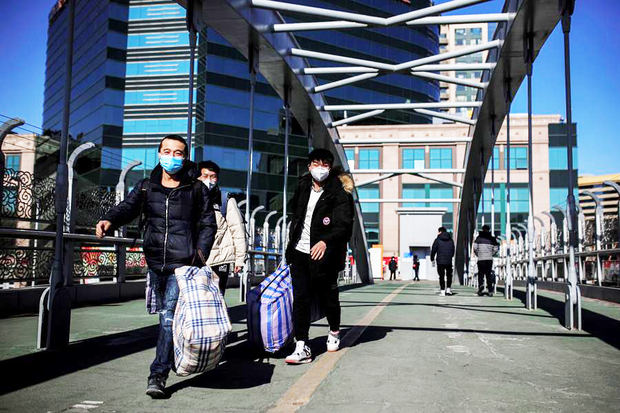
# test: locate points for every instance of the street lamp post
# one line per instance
(573, 294)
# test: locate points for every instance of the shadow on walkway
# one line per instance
(34, 368)
(465, 307)
(381, 331)
(596, 324)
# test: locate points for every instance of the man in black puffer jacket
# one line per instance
(443, 248)
(321, 226)
(179, 222)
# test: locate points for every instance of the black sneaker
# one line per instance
(480, 293)
(155, 387)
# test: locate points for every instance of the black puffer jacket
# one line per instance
(332, 220)
(177, 223)
(443, 248)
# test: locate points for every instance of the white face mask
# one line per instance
(319, 173)
(209, 183)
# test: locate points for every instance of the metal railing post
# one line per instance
(598, 225)
(121, 250)
(253, 69)
(581, 242)
(616, 187)
(530, 300)
(508, 284)
(552, 244)
(70, 215)
(573, 294)
(55, 317)
(287, 120)
(69, 222)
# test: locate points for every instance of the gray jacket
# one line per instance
(485, 246)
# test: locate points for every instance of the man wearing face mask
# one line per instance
(321, 226)
(178, 222)
(230, 245)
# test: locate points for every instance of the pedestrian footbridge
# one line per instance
(404, 349)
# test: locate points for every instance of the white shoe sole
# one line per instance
(293, 362)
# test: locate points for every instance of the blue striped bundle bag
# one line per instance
(201, 323)
(270, 311)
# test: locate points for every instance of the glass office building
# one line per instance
(98, 77)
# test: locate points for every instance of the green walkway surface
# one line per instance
(420, 352)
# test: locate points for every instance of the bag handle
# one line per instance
(201, 258)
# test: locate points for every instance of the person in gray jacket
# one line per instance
(485, 247)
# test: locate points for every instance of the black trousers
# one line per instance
(444, 270)
(485, 270)
(222, 272)
(307, 284)
(416, 271)
(393, 274)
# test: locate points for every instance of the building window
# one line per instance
(443, 192)
(350, 153)
(156, 12)
(557, 196)
(414, 191)
(494, 159)
(440, 158)
(13, 162)
(519, 198)
(558, 159)
(370, 213)
(518, 158)
(369, 159)
(413, 158)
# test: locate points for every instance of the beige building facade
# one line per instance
(433, 157)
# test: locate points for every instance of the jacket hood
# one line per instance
(337, 176)
(445, 236)
(188, 173)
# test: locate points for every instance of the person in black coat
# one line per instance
(393, 266)
(443, 249)
(321, 226)
(179, 222)
(416, 268)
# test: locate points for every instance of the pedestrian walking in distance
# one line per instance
(443, 249)
(416, 268)
(178, 222)
(230, 245)
(485, 247)
(393, 266)
(321, 226)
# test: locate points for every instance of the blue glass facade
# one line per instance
(96, 114)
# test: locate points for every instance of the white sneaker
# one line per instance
(333, 341)
(301, 355)
(448, 291)
(442, 293)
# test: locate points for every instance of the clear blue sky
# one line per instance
(595, 45)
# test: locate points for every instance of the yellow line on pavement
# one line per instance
(301, 391)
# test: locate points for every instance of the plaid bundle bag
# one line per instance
(201, 322)
(270, 311)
